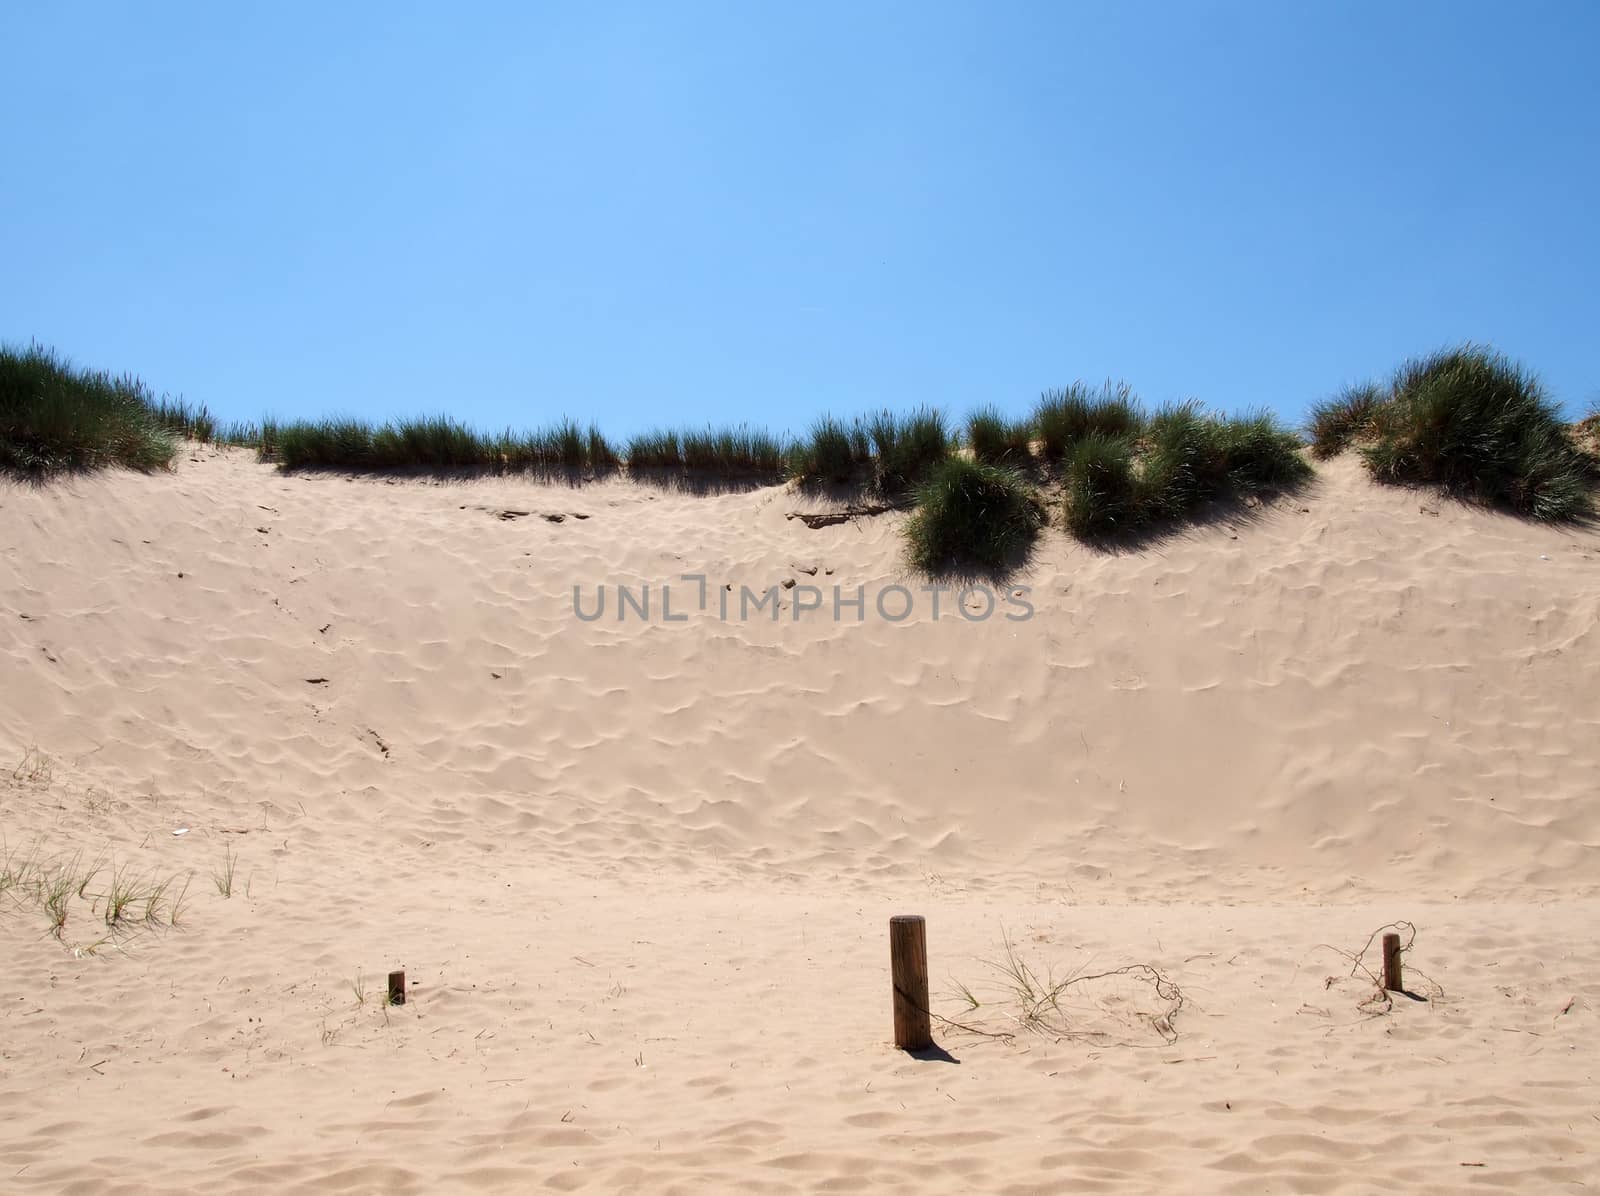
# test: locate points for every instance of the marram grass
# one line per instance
(833, 452)
(1471, 421)
(1000, 441)
(1466, 419)
(1173, 462)
(433, 443)
(971, 515)
(55, 416)
(1064, 417)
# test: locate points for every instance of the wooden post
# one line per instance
(397, 988)
(908, 963)
(1391, 963)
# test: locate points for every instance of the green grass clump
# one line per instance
(733, 452)
(907, 447)
(1102, 494)
(834, 452)
(740, 452)
(1335, 423)
(566, 446)
(655, 450)
(1474, 422)
(54, 416)
(434, 442)
(325, 444)
(262, 436)
(602, 457)
(190, 422)
(971, 514)
(998, 440)
(245, 434)
(1064, 417)
(1183, 457)
(1191, 457)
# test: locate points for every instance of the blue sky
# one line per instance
(685, 212)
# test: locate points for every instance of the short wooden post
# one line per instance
(908, 963)
(397, 988)
(1391, 963)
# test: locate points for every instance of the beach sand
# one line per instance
(639, 873)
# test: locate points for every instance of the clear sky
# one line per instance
(689, 212)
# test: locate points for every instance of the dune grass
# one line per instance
(833, 452)
(431, 442)
(323, 444)
(996, 440)
(1586, 435)
(55, 416)
(1337, 422)
(892, 453)
(438, 442)
(1102, 495)
(186, 421)
(1190, 457)
(732, 451)
(64, 889)
(1182, 458)
(1471, 421)
(655, 450)
(723, 452)
(1466, 419)
(222, 875)
(907, 448)
(971, 514)
(1474, 422)
(1064, 417)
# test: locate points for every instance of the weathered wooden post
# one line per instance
(397, 988)
(908, 964)
(1392, 979)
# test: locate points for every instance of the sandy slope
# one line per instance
(639, 872)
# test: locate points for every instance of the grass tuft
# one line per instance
(1184, 457)
(1474, 422)
(998, 440)
(55, 417)
(222, 876)
(833, 453)
(433, 443)
(602, 457)
(55, 884)
(1191, 457)
(972, 513)
(1337, 422)
(907, 448)
(1064, 417)
(324, 444)
(655, 450)
(196, 422)
(725, 452)
(1102, 495)
(733, 452)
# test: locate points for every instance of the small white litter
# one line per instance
(182, 830)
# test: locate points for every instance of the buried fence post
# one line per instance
(397, 988)
(908, 962)
(1392, 980)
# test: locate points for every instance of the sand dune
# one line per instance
(639, 871)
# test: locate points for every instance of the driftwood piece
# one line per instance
(815, 519)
